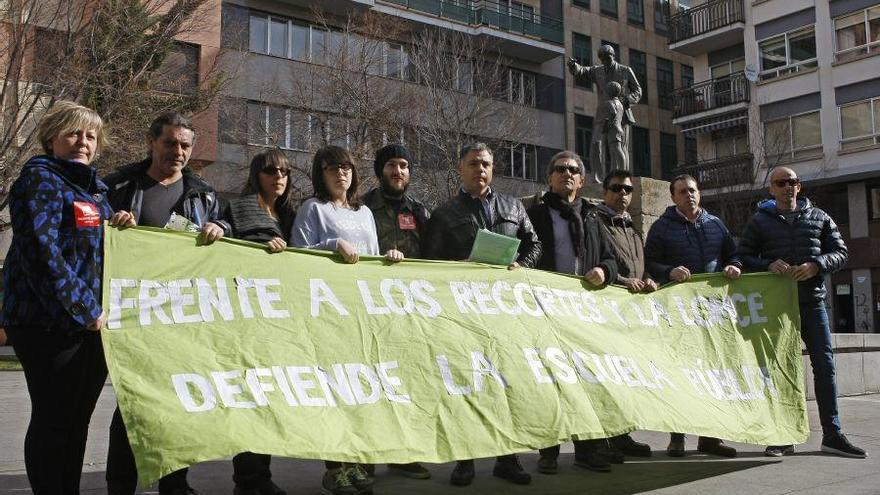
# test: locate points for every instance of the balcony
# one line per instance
(710, 26)
(711, 98)
(517, 27)
(721, 172)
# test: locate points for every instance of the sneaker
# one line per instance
(358, 477)
(778, 450)
(337, 482)
(715, 446)
(548, 465)
(265, 487)
(412, 470)
(676, 445)
(593, 461)
(837, 444)
(630, 447)
(463, 474)
(511, 470)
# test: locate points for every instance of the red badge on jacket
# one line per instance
(87, 214)
(406, 221)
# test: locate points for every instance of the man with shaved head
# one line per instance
(792, 238)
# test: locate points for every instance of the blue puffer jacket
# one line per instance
(812, 236)
(704, 246)
(54, 266)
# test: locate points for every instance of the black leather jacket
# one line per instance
(454, 225)
(813, 236)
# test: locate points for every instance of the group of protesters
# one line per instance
(53, 315)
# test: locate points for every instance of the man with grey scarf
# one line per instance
(569, 229)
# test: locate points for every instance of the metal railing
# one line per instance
(707, 95)
(721, 172)
(704, 18)
(510, 18)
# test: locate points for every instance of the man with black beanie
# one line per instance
(400, 218)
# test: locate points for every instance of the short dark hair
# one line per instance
(332, 155)
(475, 147)
(174, 119)
(277, 159)
(616, 174)
(684, 177)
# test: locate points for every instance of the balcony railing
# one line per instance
(708, 95)
(722, 172)
(704, 18)
(517, 19)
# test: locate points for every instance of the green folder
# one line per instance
(492, 248)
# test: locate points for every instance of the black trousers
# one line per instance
(65, 376)
(250, 469)
(121, 469)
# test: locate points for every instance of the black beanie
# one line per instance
(388, 152)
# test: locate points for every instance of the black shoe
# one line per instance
(412, 470)
(676, 445)
(630, 447)
(611, 453)
(778, 450)
(592, 461)
(265, 487)
(837, 444)
(358, 477)
(548, 465)
(512, 471)
(463, 474)
(709, 445)
(336, 482)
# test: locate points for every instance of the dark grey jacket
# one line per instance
(813, 236)
(453, 228)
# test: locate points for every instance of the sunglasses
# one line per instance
(275, 171)
(620, 187)
(786, 182)
(336, 167)
(561, 169)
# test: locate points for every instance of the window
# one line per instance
(661, 10)
(635, 12)
(584, 4)
(794, 137)
(860, 123)
(318, 45)
(299, 42)
(465, 79)
(690, 150)
(271, 125)
(278, 37)
(638, 61)
(608, 7)
(857, 34)
(875, 202)
(523, 162)
(582, 51)
(641, 152)
(583, 134)
(665, 83)
(668, 155)
(730, 142)
(687, 76)
(394, 61)
(787, 53)
(521, 88)
(259, 34)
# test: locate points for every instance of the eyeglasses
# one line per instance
(572, 169)
(275, 171)
(336, 167)
(786, 182)
(620, 187)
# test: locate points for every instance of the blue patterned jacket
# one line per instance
(54, 266)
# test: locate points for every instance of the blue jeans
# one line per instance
(816, 333)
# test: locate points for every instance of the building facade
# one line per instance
(794, 83)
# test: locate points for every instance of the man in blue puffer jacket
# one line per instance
(684, 241)
(791, 237)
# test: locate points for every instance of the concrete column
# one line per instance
(857, 199)
(863, 301)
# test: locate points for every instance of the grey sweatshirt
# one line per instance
(320, 226)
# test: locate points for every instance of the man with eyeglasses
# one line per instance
(452, 230)
(148, 193)
(684, 241)
(792, 238)
(572, 242)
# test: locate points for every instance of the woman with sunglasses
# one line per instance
(333, 220)
(264, 213)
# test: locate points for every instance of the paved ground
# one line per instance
(808, 472)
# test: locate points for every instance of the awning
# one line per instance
(715, 123)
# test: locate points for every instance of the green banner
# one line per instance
(220, 349)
